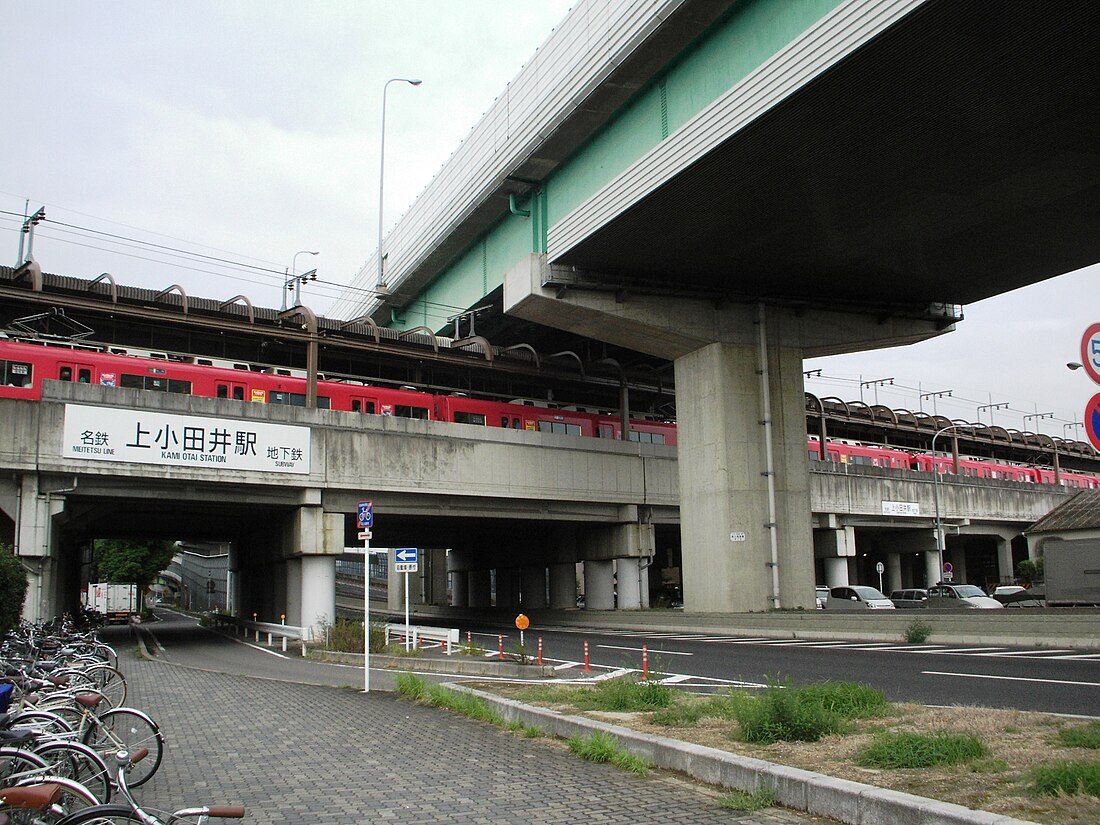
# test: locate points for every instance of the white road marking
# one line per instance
(1009, 678)
(960, 650)
(1037, 654)
(639, 650)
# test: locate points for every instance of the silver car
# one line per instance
(857, 597)
(961, 595)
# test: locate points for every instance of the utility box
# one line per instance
(1072, 571)
(117, 602)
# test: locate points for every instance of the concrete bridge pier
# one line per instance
(480, 587)
(458, 569)
(507, 581)
(599, 584)
(836, 544)
(563, 585)
(314, 540)
(36, 505)
(533, 587)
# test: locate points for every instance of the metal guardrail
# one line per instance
(447, 637)
(271, 629)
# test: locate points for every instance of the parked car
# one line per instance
(857, 597)
(1014, 595)
(821, 595)
(914, 597)
(960, 595)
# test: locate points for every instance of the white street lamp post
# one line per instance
(381, 285)
(936, 498)
(291, 281)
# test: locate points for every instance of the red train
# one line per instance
(23, 366)
(843, 452)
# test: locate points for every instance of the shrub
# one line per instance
(625, 695)
(1066, 778)
(849, 700)
(917, 632)
(749, 801)
(13, 588)
(1082, 736)
(916, 750)
(602, 747)
(346, 636)
(781, 715)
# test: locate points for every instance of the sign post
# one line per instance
(879, 568)
(948, 571)
(364, 517)
(522, 623)
(406, 560)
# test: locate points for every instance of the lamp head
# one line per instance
(1074, 365)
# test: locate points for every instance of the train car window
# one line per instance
(65, 374)
(223, 391)
(605, 431)
(15, 373)
(372, 408)
(559, 427)
(402, 411)
(84, 376)
(132, 382)
(178, 386)
(469, 418)
(157, 384)
(647, 438)
(516, 424)
(356, 405)
(504, 421)
(238, 392)
(297, 399)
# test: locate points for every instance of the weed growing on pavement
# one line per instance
(346, 636)
(1069, 778)
(781, 715)
(850, 700)
(680, 715)
(410, 687)
(526, 731)
(748, 801)
(917, 750)
(602, 747)
(625, 695)
(917, 632)
(1081, 736)
(469, 648)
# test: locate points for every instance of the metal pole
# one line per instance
(382, 171)
(366, 615)
(408, 634)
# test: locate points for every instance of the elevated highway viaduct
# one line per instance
(504, 515)
(731, 187)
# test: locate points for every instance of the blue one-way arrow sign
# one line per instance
(406, 554)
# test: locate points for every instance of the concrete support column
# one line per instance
(836, 572)
(628, 583)
(563, 585)
(507, 587)
(460, 591)
(294, 592)
(318, 593)
(480, 588)
(725, 502)
(533, 585)
(1005, 569)
(893, 573)
(599, 585)
(957, 557)
(931, 568)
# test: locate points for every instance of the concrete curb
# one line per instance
(454, 665)
(798, 789)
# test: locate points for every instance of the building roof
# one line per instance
(1082, 512)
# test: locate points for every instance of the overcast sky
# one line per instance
(250, 131)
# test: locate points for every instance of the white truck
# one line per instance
(117, 602)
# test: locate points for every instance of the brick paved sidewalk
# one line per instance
(290, 751)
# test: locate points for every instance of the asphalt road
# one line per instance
(1052, 680)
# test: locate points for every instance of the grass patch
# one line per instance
(748, 801)
(682, 715)
(1070, 778)
(917, 632)
(1081, 736)
(410, 687)
(806, 714)
(625, 695)
(915, 750)
(471, 649)
(602, 747)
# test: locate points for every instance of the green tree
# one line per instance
(1030, 570)
(13, 588)
(121, 562)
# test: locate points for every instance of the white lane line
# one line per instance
(674, 680)
(1009, 678)
(960, 650)
(1085, 657)
(1037, 654)
(639, 650)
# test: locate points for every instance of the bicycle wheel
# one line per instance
(40, 720)
(15, 764)
(110, 682)
(74, 797)
(101, 815)
(76, 761)
(128, 729)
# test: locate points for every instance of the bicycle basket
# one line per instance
(6, 692)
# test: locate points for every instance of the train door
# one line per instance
(231, 389)
(76, 372)
(368, 405)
